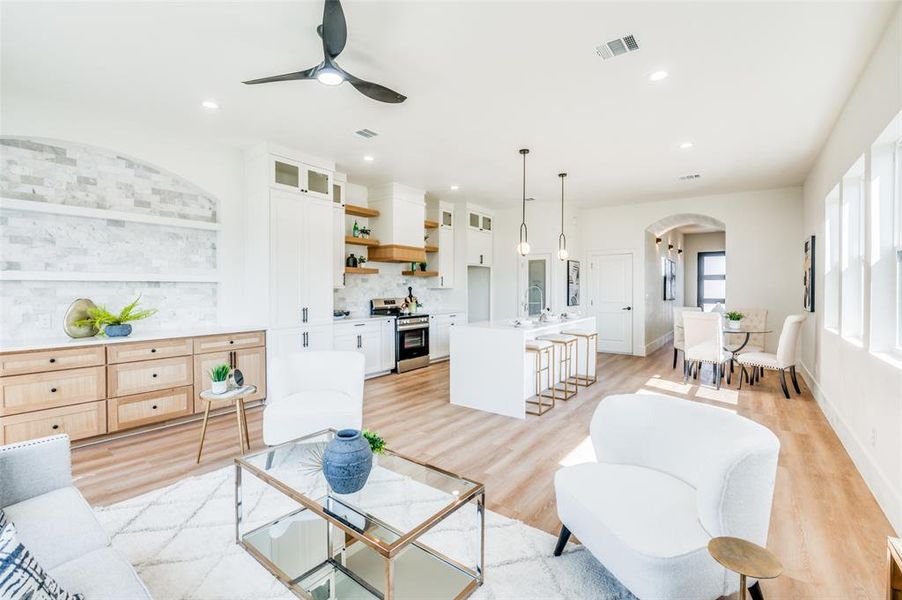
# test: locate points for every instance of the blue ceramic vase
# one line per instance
(118, 330)
(347, 461)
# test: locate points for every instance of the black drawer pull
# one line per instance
(154, 374)
(154, 407)
(152, 350)
(52, 360)
(55, 427)
(52, 390)
(231, 341)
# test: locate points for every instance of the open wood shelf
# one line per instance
(420, 273)
(360, 211)
(358, 241)
(429, 248)
(360, 271)
(430, 224)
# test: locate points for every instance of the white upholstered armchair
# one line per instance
(670, 475)
(312, 391)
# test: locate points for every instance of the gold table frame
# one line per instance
(388, 551)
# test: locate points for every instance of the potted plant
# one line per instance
(115, 325)
(219, 376)
(365, 232)
(733, 319)
(422, 266)
(361, 260)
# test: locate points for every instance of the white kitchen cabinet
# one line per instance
(368, 338)
(444, 239)
(300, 229)
(440, 333)
(338, 246)
(289, 340)
(479, 248)
(296, 176)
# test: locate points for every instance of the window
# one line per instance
(712, 279)
(897, 221)
(852, 252)
(831, 268)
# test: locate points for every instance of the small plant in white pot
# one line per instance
(733, 319)
(219, 376)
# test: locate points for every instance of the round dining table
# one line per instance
(744, 331)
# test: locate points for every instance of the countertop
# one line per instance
(353, 319)
(139, 335)
(508, 324)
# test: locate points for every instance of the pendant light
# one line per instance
(523, 246)
(562, 239)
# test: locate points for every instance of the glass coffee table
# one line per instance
(413, 532)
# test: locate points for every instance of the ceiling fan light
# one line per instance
(329, 76)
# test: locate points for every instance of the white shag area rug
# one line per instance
(181, 540)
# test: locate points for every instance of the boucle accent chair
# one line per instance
(57, 526)
(783, 360)
(670, 475)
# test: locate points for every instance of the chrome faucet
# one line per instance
(542, 314)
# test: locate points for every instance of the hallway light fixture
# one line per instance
(523, 246)
(658, 240)
(562, 239)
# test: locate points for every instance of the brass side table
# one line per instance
(747, 559)
(238, 394)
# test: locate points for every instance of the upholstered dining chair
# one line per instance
(670, 474)
(755, 318)
(312, 391)
(704, 343)
(678, 338)
(783, 360)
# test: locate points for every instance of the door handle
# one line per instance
(627, 308)
(359, 342)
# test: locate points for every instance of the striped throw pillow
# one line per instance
(21, 577)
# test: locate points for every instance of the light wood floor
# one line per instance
(826, 526)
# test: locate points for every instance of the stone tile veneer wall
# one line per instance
(389, 283)
(57, 172)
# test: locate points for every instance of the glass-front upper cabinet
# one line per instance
(299, 177)
(474, 219)
(317, 182)
(286, 174)
(447, 219)
(338, 193)
(486, 223)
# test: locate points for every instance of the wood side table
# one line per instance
(747, 559)
(238, 394)
(893, 568)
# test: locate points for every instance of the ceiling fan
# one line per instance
(334, 33)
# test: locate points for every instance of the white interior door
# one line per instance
(611, 300)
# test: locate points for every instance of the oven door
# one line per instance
(412, 343)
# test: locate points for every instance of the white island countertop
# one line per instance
(538, 327)
(138, 335)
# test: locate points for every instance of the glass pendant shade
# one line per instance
(523, 246)
(562, 253)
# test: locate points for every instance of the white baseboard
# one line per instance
(874, 477)
(658, 343)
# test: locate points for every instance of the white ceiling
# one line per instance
(755, 86)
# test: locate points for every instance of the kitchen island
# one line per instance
(491, 370)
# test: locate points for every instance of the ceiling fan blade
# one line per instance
(334, 29)
(375, 91)
(308, 74)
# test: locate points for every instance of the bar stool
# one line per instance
(541, 349)
(566, 344)
(590, 337)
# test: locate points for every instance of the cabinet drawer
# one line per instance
(78, 421)
(23, 393)
(143, 409)
(18, 363)
(138, 377)
(120, 353)
(218, 343)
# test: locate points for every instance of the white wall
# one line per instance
(216, 168)
(764, 246)
(859, 391)
(659, 312)
(693, 243)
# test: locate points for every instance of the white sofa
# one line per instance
(312, 391)
(670, 475)
(57, 526)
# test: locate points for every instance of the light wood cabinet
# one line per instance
(78, 421)
(146, 376)
(131, 352)
(152, 407)
(251, 361)
(36, 391)
(235, 341)
(41, 361)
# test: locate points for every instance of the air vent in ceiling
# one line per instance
(617, 47)
(690, 177)
(366, 133)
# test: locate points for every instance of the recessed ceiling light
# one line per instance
(658, 75)
(455, 187)
(368, 158)
(686, 145)
(210, 105)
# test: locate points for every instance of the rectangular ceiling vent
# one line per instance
(691, 177)
(366, 133)
(617, 47)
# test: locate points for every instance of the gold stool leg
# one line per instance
(564, 364)
(540, 390)
(247, 433)
(203, 431)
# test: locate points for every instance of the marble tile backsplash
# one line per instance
(388, 283)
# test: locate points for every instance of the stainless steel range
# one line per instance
(411, 333)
